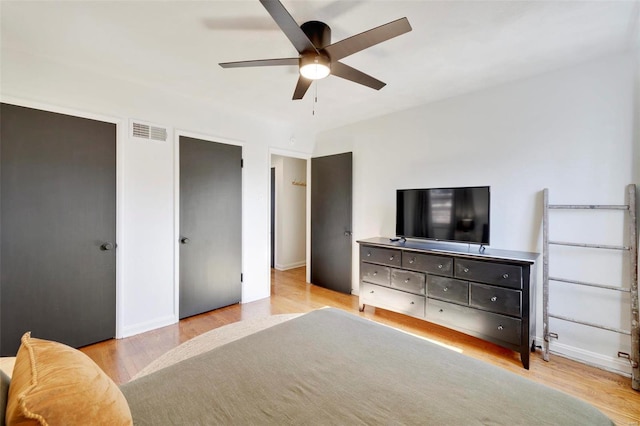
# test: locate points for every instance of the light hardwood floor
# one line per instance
(611, 393)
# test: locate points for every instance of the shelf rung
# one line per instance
(589, 207)
(591, 324)
(606, 287)
(597, 246)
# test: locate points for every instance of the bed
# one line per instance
(332, 367)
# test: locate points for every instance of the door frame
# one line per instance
(302, 156)
(176, 207)
(121, 135)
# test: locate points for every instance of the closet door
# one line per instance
(210, 225)
(331, 201)
(57, 228)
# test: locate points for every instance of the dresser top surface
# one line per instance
(470, 251)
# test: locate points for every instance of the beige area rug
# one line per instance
(212, 339)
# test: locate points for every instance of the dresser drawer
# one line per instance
(380, 255)
(496, 299)
(376, 274)
(432, 264)
(448, 289)
(394, 300)
(499, 327)
(489, 272)
(413, 282)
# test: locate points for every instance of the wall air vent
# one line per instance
(145, 131)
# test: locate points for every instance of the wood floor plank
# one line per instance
(611, 393)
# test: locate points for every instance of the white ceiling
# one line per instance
(455, 47)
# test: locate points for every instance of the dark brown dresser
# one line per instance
(488, 294)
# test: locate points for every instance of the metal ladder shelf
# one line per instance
(631, 249)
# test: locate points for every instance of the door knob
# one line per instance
(106, 246)
(185, 240)
(347, 233)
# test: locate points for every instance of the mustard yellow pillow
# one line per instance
(54, 384)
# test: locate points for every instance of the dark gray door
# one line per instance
(273, 217)
(331, 186)
(57, 227)
(210, 225)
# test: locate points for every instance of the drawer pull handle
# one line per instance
(500, 327)
(466, 270)
(445, 289)
(505, 276)
(371, 292)
(413, 303)
(494, 298)
(375, 273)
(441, 310)
(391, 258)
(440, 266)
(412, 260)
(406, 281)
(368, 254)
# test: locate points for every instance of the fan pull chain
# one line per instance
(315, 100)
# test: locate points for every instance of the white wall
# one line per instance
(570, 131)
(147, 176)
(291, 212)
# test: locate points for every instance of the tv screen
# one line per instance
(444, 214)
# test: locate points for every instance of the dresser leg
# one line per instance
(361, 308)
(524, 357)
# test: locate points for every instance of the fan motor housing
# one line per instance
(318, 32)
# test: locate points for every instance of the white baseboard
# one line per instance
(293, 265)
(132, 330)
(609, 363)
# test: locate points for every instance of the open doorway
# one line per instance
(288, 212)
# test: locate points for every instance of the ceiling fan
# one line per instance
(317, 57)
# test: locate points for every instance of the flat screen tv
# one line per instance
(444, 214)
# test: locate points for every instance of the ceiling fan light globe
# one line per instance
(314, 67)
(314, 71)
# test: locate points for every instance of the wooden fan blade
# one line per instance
(301, 87)
(358, 42)
(261, 63)
(348, 73)
(288, 26)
